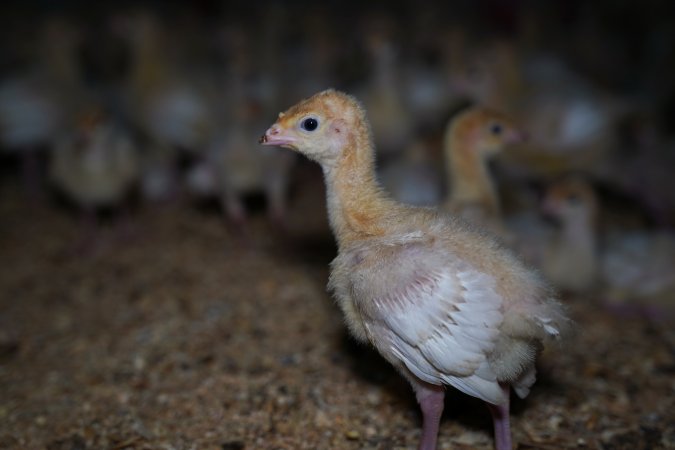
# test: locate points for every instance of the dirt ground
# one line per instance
(181, 334)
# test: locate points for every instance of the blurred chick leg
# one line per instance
(430, 398)
(502, 425)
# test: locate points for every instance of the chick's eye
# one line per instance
(309, 124)
(496, 129)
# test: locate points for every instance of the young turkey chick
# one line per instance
(235, 165)
(637, 272)
(168, 103)
(571, 122)
(392, 123)
(444, 304)
(472, 138)
(634, 267)
(490, 74)
(570, 258)
(237, 169)
(36, 103)
(96, 165)
(171, 107)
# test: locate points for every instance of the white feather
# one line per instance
(442, 326)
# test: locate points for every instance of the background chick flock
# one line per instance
(106, 106)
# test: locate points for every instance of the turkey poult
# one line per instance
(36, 103)
(446, 305)
(471, 139)
(96, 165)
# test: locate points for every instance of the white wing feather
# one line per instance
(441, 325)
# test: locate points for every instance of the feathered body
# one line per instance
(237, 168)
(95, 165)
(570, 258)
(428, 297)
(35, 104)
(169, 107)
(29, 114)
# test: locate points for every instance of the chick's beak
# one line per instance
(277, 135)
(516, 136)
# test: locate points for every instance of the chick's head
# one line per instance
(570, 199)
(486, 132)
(321, 127)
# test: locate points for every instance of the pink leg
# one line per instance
(234, 210)
(502, 425)
(430, 398)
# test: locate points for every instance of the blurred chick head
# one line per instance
(569, 200)
(321, 127)
(482, 131)
(88, 123)
(89, 118)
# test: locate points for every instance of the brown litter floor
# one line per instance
(184, 335)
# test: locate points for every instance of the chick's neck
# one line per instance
(578, 235)
(357, 207)
(470, 179)
(150, 67)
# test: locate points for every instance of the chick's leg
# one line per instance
(430, 398)
(233, 208)
(502, 425)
